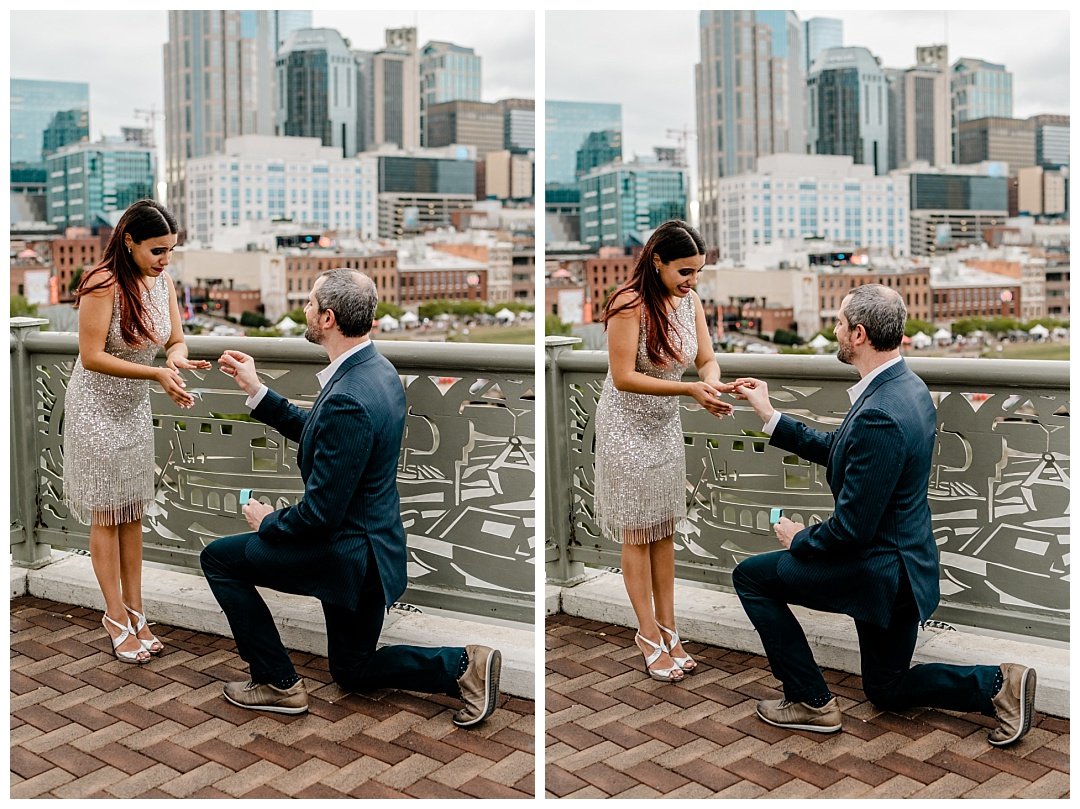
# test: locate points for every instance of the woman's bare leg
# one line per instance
(105, 559)
(637, 578)
(131, 559)
(662, 566)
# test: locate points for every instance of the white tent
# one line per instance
(819, 342)
(505, 315)
(920, 340)
(943, 336)
(1039, 331)
(287, 325)
(410, 319)
(388, 323)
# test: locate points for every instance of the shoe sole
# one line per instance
(1027, 708)
(491, 695)
(271, 708)
(793, 726)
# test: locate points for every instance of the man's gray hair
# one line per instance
(352, 296)
(881, 311)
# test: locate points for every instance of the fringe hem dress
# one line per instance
(640, 483)
(108, 428)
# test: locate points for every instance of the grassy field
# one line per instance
(517, 335)
(1031, 351)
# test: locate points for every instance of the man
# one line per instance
(875, 558)
(343, 543)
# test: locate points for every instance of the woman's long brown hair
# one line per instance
(671, 241)
(146, 219)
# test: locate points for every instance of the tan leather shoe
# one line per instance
(800, 716)
(1014, 704)
(265, 697)
(479, 685)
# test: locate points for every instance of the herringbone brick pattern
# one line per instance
(85, 725)
(612, 732)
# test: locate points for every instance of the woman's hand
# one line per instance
(706, 395)
(184, 364)
(172, 383)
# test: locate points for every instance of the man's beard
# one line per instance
(314, 334)
(844, 354)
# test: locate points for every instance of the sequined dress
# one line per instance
(640, 484)
(108, 432)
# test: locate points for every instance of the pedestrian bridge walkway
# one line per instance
(84, 725)
(612, 732)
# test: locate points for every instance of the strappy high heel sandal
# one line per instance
(125, 633)
(153, 646)
(663, 675)
(687, 664)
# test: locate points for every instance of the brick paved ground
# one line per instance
(85, 725)
(611, 731)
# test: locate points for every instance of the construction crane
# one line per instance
(681, 137)
(150, 117)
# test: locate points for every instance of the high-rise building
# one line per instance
(395, 91)
(508, 176)
(218, 84)
(919, 110)
(259, 179)
(1051, 140)
(849, 107)
(476, 123)
(448, 72)
(61, 108)
(317, 89)
(622, 202)
(285, 22)
(1002, 140)
(952, 209)
(519, 124)
(420, 189)
(819, 34)
(749, 89)
(89, 181)
(979, 89)
(567, 127)
(791, 197)
(365, 99)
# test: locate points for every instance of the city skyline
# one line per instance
(41, 49)
(657, 94)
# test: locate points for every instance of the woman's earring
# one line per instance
(129, 250)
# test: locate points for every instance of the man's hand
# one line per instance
(241, 367)
(786, 531)
(756, 393)
(255, 512)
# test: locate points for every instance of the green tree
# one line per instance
(466, 308)
(786, 338)
(253, 320)
(384, 309)
(829, 333)
(966, 325)
(76, 277)
(554, 326)
(263, 332)
(297, 316)
(20, 307)
(432, 309)
(914, 326)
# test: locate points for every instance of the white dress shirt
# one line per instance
(854, 392)
(324, 376)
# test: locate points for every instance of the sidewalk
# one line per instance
(85, 725)
(611, 731)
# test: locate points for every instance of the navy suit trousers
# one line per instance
(352, 635)
(889, 679)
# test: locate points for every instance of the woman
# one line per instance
(656, 328)
(127, 312)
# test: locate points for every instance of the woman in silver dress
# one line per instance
(127, 312)
(656, 329)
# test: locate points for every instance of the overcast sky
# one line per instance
(645, 60)
(119, 53)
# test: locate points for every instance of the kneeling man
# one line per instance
(875, 558)
(343, 543)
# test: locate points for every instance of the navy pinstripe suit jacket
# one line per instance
(348, 448)
(878, 468)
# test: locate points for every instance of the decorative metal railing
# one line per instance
(466, 473)
(999, 490)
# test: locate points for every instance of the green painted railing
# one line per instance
(999, 490)
(466, 473)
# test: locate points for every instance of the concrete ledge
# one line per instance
(718, 619)
(184, 600)
(552, 599)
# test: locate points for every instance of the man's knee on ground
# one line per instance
(884, 694)
(352, 677)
